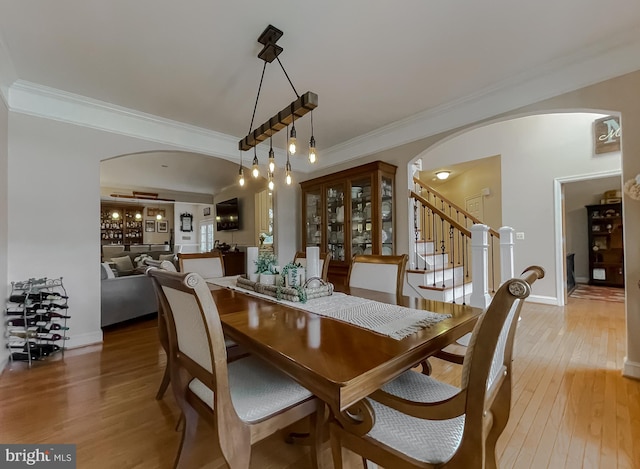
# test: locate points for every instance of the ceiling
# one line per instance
(374, 64)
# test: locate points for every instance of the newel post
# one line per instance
(506, 253)
(480, 297)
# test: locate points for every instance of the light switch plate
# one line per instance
(520, 235)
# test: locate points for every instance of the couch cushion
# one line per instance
(123, 264)
(166, 257)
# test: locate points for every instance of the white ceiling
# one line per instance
(372, 62)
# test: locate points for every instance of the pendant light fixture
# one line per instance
(255, 171)
(272, 157)
(295, 110)
(312, 144)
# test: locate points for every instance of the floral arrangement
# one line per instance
(632, 188)
(266, 263)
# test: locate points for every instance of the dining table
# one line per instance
(339, 362)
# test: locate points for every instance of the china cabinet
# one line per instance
(606, 250)
(350, 212)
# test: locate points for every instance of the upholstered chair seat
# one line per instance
(257, 390)
(431, 441)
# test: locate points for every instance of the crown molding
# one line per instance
(597, 63)
(42, 101)
(601, 61)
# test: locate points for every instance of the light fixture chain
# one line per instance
(287, 75)
(255, 106)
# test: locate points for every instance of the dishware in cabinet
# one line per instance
(354, 209)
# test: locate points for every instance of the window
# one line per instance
(206, 236)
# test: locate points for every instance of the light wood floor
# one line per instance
(572, 408)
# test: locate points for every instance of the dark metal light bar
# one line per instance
(301, 106)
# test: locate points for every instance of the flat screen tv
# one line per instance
(228, 215)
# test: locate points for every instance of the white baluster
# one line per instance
(480, 297)
(507, 235)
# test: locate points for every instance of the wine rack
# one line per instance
(36, 319)
(121, 224)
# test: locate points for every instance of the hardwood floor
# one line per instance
(571, 408)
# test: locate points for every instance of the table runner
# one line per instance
(390, 320)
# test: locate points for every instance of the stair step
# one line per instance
(448, 285)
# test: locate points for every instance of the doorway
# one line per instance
(571, 195)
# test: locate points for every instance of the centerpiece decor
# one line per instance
(266, 266)
(293, 274)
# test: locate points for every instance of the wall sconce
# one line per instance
(442, 175)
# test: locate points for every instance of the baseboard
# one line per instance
(82, 340)
(582, 279)
(631, 369)
(545, 300)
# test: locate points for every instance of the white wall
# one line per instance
(535, 150)
(4, 215)
(54, 209)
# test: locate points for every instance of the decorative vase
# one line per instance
(253, 276)
(295, 278)
(268, 279)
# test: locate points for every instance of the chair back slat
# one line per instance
(381, 273)
(207, 264)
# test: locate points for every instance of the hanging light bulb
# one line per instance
(292, 139)
(287, 171)
(312, 150)
(312, 144)
(272, 158)
(288, 174)
(255, 171)
(241, 176)
(271, 185)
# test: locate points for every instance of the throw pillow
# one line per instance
(123, 264)
(166, 257)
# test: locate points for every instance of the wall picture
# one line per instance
(149, 225)
(163, 226)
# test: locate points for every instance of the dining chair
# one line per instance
(162, 328)
(207, 264)
(300, 257)
(376, 272)
(245, 400)
(416, 421)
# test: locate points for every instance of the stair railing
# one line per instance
(450, 227)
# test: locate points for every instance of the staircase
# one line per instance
(453, 252)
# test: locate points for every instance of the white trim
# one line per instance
(557, 215)
(582, 280)
(80, 340)
(631, 369)
(545, 300)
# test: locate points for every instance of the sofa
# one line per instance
(126, 294)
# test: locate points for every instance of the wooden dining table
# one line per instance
(339, 362)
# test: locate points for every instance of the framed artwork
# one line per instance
(206, 211)
(149, 225)
(607, 132)
(163, 226)
(186, 222)
(153, 212)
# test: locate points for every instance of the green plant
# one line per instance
(265, 263)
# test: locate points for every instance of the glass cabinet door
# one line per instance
(335, 221)
(361, 217)
(387, 215)
(313, 221)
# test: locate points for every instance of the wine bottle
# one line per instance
(21, 322)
